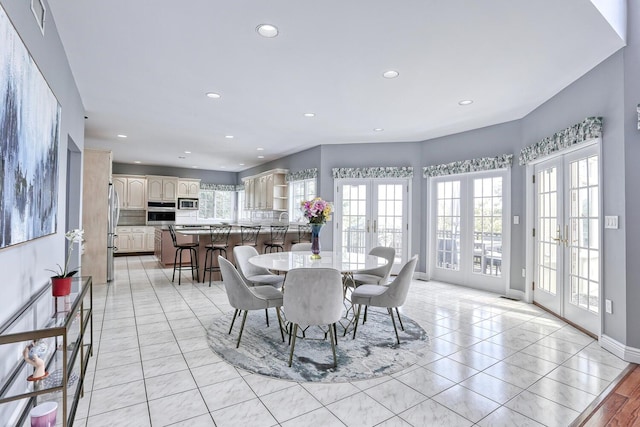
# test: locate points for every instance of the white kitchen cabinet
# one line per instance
(132, 191)
(189, 188)
(267, 191)
(135, 239)
(150, 239)
(249, 192)
(162, 188)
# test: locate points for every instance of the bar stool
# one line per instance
(278, 235)
(249, 235)
(193, 253)
(304, 234)
(219, 243)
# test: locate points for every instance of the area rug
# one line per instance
(373, 353)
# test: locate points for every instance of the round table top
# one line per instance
(344, 262)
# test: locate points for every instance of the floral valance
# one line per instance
(474, 165)
(218, 187)
(590, 128)
(302, 175)
(377, 172)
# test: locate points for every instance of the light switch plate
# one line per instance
(611, 221)
(516, 219)
(608, 306)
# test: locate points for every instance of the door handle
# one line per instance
(375, 225)
(368, 226)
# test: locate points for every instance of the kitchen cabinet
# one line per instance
(64, 328)
(135, 239)
(267, 191)
(162, 188)
(189, 188)
(132, 191)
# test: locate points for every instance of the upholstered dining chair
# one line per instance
(177, 259)
(219, 243)
(378, 275)
(252, 274)
(301, 247)
(245, 298)
(389, 297)
(313, 296)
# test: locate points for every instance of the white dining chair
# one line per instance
(301, 247)
(377, 275)
(244, 298)
(313, 296)
(389, 297)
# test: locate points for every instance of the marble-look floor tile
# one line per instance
(491, 387)
(226, 393)
(465, 402)
(112, 359)
(394, 422)
(290, 402)
(214, 373)
(172, 383)
(158, 338)
(513, 374)
(177, 407)
(319, 417)
(563, 394)
(531, 363)
(117, 375)
(328, 393)
(201, 421)
(452, 370)
(130, 416)
(546, 353)
(542, 410)
(579, 380)
(251, 413)
(395, 396)
(156, 351)
(592, 367)
(505, 417)
(431, 413)
(473, 359)
(493, 350)
(443, 347)
(359, 410)
(202, 357)
(163, 365)
(365, 384)
(262, 385)
(426, 382)
(116, 397)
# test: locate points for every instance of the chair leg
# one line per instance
(290, 332)
(204, 270)
(180, 266)
(193, 253)
(293, 343)
(266, 314)
(393, 320)
(364, 319)
(175, 260)
(355, 324)
(244, 319)
(333, 344)
(280, 323)
(233, 320)
(335, 333)
(399, 319)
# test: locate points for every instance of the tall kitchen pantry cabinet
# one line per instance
(95, 187)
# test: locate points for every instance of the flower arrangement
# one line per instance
(317, 210)
(73, 236)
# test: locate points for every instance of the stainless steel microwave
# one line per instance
(188, 204)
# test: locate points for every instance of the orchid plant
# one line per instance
(73, 236)
(318, 211)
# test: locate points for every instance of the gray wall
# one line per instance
(206, 176)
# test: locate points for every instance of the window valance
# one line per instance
(302, 175)
(375, 172)
(218, 187)
(474, 165)
(589, 128)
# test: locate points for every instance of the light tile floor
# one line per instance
(492, 362)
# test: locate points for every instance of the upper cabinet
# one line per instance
(132, 191)
(162, 188)
(189, 188)
(267, 191)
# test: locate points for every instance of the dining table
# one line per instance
(348, 263)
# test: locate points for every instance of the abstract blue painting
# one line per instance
(29, 135)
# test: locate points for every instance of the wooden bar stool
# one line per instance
(219, 243)
(249, 235)
(278, 235)
(177, 260)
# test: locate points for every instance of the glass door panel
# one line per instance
(355, 225)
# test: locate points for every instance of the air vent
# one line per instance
(39, 11)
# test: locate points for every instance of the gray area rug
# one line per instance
(373, 353)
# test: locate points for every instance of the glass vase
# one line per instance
(315, 240)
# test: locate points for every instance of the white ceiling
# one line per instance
(143, 68)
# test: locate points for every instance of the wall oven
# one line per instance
(161, 213)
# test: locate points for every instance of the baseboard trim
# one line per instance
(515, 294)
(419, 275)
(626, 353)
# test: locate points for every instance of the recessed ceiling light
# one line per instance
(261, 157)
(223, 167)
(122, 136)
(229, 136)
(213, 95)
(378, 130)
(187, 152)
(267, 30)
(466, 102)
(309, 114)
(241, 164)
(194, 167)
(137, 162)
(391, 74)
(260, 149)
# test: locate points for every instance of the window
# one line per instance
(215, 204)
(243, 213)
(299, 191)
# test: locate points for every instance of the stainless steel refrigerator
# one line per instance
(114, 215)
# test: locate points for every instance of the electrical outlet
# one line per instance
(516, 219)
(524, 273)
(608, 306)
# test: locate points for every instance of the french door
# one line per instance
(567, 237)
(370, 213)
(469, 229)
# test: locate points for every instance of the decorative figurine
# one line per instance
(34, 355)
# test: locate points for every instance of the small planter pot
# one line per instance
(60, 286)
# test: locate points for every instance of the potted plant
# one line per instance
(61, 282)
(318, 212)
